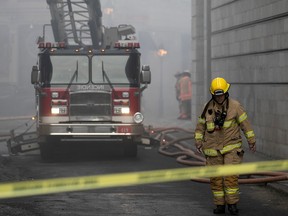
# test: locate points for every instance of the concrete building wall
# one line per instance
(197, 65)
(249, 48)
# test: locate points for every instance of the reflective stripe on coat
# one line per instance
(230, 134)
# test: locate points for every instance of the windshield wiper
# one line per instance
(75, 75)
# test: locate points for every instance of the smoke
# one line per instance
(159, 24)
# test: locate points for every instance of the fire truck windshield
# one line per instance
(74, 69)
(64, 68)
(119, 69)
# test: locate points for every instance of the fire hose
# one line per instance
(184, 156)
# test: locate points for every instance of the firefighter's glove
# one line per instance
(252, 147)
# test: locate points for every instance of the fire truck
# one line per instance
(89, 81)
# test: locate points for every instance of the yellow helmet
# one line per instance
(219, 86)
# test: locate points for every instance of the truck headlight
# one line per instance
(138, 118)
(59, 110)
(121, 110)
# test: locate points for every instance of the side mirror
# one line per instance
(145, 77)
(35, 75)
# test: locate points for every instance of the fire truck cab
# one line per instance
(89, 93)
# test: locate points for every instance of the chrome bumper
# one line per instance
(90, 130)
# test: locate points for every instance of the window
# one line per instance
(69, 69)
(120, 69)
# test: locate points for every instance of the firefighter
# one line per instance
(185, 95)
(218, 137)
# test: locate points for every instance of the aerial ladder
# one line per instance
(79, 22)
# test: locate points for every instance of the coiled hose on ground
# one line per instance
(171, 146)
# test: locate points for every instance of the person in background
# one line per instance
(218, 137)
(185, 95)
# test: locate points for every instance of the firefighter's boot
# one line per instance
(220, 209)
(232, 208)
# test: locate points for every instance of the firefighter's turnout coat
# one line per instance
(223, 145)
(185, 88)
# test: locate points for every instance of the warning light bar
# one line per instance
(126, 44)
(43, 45)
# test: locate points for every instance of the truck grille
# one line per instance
(91, 104)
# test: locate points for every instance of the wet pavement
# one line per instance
(171, 122)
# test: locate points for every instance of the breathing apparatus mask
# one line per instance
(220, 118)
(216, 118)
(219, 87)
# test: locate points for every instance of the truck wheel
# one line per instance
(130, 149)
(46, 151)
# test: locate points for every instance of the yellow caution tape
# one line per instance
(57, 185)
